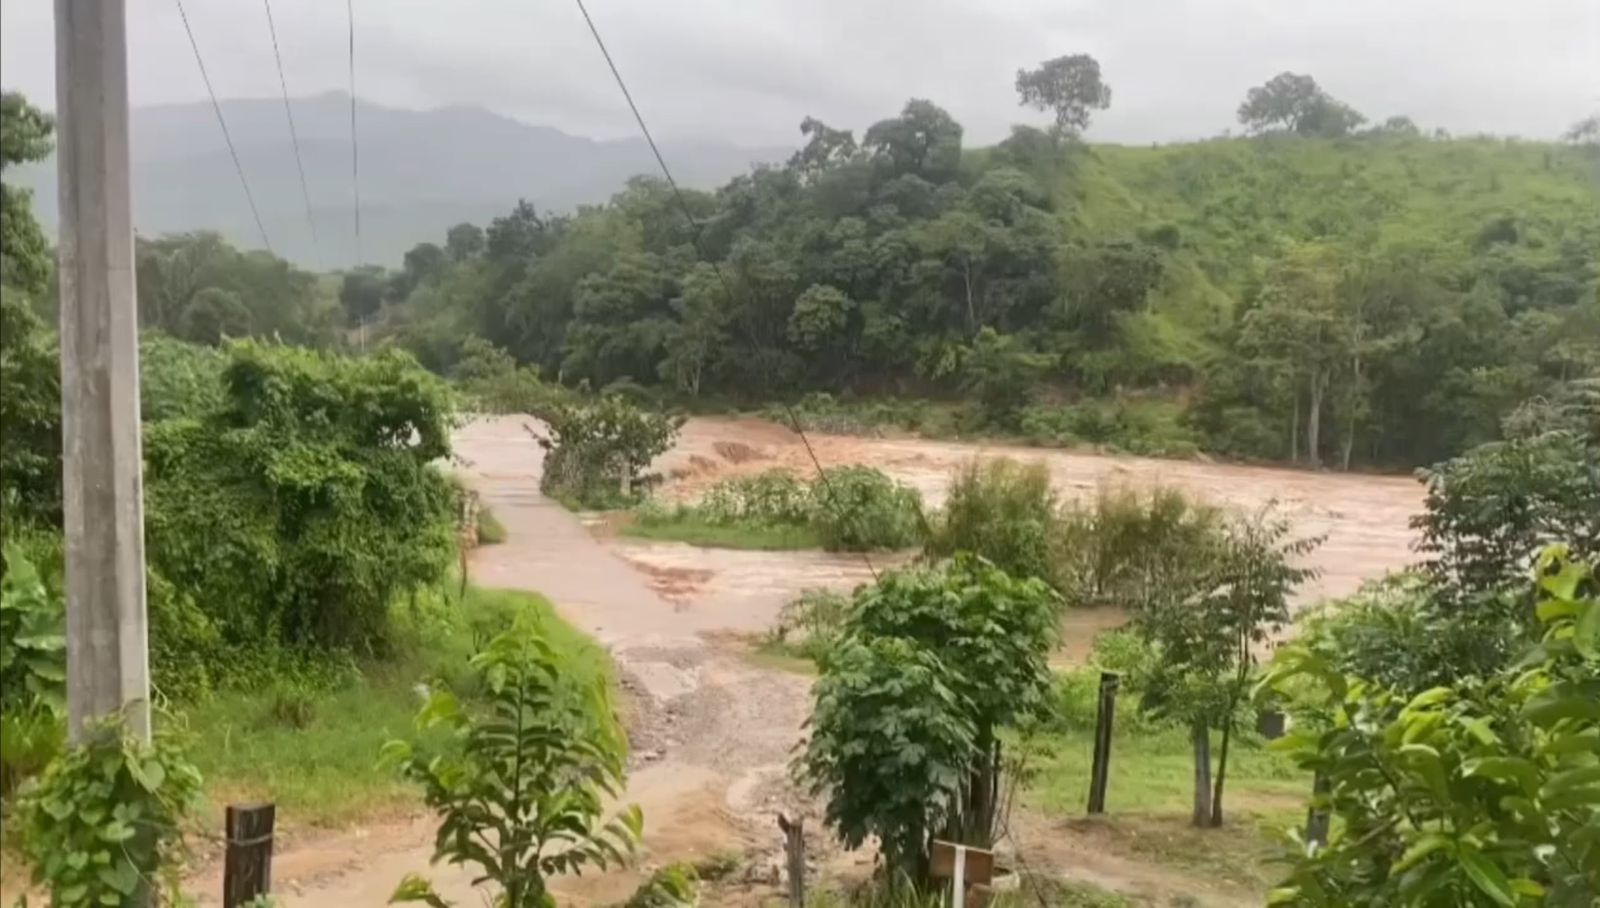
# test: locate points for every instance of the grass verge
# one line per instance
(686, 526)
(316, 759)
(1151, 793)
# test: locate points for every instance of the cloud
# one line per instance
(749, 71)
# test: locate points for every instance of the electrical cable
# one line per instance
(222, 121)
(294, 136)
(694, 224)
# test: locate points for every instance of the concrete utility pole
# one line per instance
(102, 482)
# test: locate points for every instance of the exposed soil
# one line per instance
(712, 732)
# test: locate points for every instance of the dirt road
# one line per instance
(711, 735)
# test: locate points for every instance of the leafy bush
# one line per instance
(1490, 510)
(896, 780)
(521, 786)
(178, 380)
(1075, 694)
(853, 509)
(597, 454)
(673, 886)
(108, 817)
(491, 377)
(30, 410)
(303, 507)
(490, 530)
(772, 497)
(33, 643)
(1152, 428)
(1409, 634)
(1002, 510)
(860, 509)
(932, 665)
(1123, 548)
(817, 617)
(1483, 792)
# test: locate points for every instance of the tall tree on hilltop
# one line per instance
(1069, 86)
(924, 140)
(1296, 103)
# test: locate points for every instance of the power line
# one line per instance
(355, 146)
(221, 121)
(694, 224)
(294, 136)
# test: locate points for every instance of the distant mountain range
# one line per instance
(421, 172)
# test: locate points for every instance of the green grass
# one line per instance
(325, 773)
(490, 530)
(1061, 894)
(1152, 771)
(1151, 794)
(687, 526)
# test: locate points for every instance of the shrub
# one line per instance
(861, 509)
(897, 781)
(817, 617)
(1489, 511)
(178, 380)
(596, 455)
(1120, 548)
(1002, 510)
(521, 786)
(1409, 634)
(33, 643)
(493, 380)
(1153, 428)
(108, 817)
(1075, 694)
(953, 655)
(772, 497)
(1482, 792)
(490, 530)
(673, 886)
(309, 502)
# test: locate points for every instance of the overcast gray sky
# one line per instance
(749, 70)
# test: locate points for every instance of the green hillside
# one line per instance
(1234, 200)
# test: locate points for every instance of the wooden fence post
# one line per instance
(794, 847)
(1317, 819)
(247, 864)
(1105, 718)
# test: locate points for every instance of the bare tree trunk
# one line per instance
(1319, 383)
(972, 312)
(1350, 427)
(1294, 431)
(1201, 735)
(1222, 769)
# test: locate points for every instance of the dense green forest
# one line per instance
(1378, 297)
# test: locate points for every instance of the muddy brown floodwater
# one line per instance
(1364, 519)
(711, 731)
